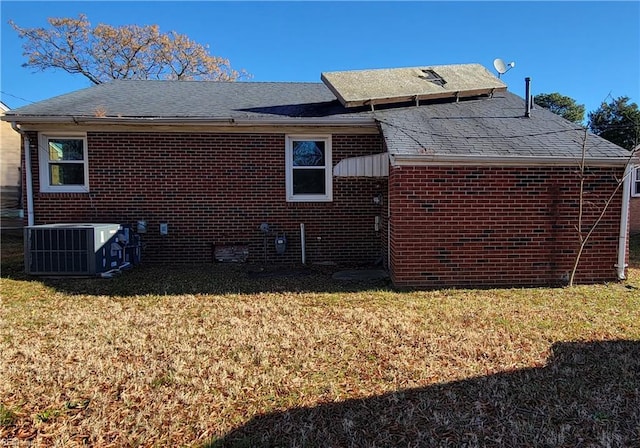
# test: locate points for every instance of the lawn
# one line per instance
(215, 356)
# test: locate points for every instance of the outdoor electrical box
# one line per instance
(281, 244)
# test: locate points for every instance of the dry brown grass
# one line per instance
(202, 356)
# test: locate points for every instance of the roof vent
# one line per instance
(433, 77)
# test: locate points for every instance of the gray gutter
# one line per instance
(186, 121)
(467, 159)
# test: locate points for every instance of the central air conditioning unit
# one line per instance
(73, 249)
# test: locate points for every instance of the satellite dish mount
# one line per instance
(501, 67)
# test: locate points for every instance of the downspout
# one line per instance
(624, 222)
(28, 174)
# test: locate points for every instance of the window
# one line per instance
(309, 176)
(63, 163)
(635, 182)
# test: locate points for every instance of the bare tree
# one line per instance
(584, 237)
(104, 52)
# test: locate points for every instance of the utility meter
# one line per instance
(281, 244)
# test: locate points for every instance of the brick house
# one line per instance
(634, 204)
(439, 173)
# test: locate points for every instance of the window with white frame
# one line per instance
(63, 163)
(635, 182)
(309, 169)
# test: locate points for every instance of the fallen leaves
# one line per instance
(88, 363)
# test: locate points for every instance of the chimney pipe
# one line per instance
(527, 95)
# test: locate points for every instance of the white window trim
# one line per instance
(328, 196)
(43, 161)
(635, 178)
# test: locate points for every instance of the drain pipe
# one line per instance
(302, 244)
(624, 222)
(28, 175)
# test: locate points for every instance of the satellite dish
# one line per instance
(501, 67)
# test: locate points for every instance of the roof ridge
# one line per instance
(204, 81)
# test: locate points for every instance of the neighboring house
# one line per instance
(439, 173)
(9, 165)
(634, 212)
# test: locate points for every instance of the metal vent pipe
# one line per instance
(527, 95)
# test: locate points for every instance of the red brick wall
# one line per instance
(218, 189)
(634, 216)
(457, 226)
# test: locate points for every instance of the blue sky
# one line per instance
(586, 50)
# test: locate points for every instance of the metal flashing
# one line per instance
(374, 165)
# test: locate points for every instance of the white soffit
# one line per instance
(370, 87)
(375, 165)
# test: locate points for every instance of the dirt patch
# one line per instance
(360, 275)
(276, 273)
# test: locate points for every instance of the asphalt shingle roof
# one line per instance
(491, 127)
(191, 99)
